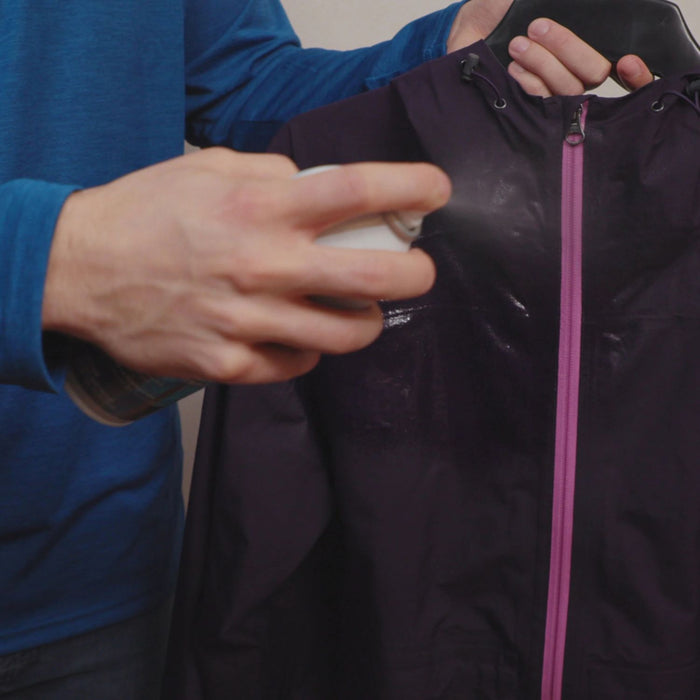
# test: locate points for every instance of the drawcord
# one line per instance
(691, 95)
(468, 66)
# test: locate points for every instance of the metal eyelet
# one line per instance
(658, 106)
(500, 103)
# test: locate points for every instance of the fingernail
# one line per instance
(629, 72)
(539, 27)
(519, 45)
(634, 68)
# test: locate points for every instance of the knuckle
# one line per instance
(561, 38)
(253, 272)
(557, 38)
(226, 364)
(600, 76)
(434, 187)
(375, 275)
(226, 319)
(214, 156)
(248, 274)
(352, 335)
(355, 187)
(252, 278)
(251, 203)
(283, 163)
(206, 364)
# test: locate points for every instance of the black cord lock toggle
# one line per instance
(468, 66)
(693, 87)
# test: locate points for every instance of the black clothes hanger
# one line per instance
(655, 30)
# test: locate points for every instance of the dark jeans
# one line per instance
(120, 662)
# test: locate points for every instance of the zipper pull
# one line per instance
(575, 136)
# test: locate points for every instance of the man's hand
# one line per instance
(551, 60)
(203, 267)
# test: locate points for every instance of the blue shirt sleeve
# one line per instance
(247, 73)
(28, 213)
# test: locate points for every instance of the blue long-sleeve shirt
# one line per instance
(90, 516)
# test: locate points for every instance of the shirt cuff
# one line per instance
(29, 210)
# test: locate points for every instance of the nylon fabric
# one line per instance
(380, 528)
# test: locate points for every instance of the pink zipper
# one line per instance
(567, 409)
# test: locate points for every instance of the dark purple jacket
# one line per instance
(500, 498)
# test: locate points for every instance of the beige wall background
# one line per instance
(345, 24)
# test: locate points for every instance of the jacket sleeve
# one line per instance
(247, 73)
(28, 213)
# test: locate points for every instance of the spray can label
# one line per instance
(116, 395)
